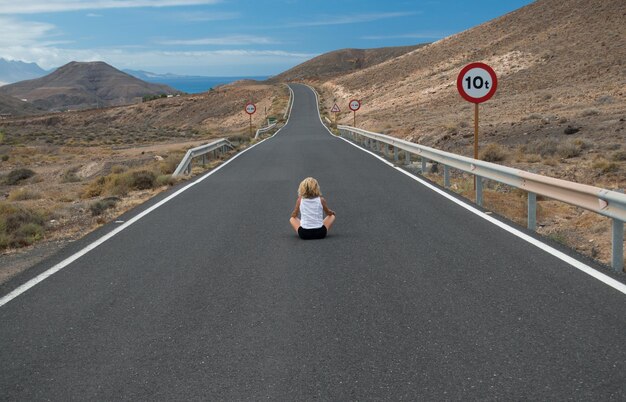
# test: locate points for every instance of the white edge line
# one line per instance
(56, 268)
(617, 285)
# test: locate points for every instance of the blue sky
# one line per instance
(224, 37)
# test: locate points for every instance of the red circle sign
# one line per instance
(250, 108)
(355, 105)
(477, 82)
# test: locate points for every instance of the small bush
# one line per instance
(590, 112)
(27, 234)
(5, 158)
(493, 153)
(143, 180)
(619, 156)
(544, 148)
(17, 175)
(117, 169)
(605, 166)
(69, 176)
(165, 180)
(98, 207)
(568, 150)
(19, 226)
(22, 194)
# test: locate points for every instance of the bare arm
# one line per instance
(296, 210)
(327, 210)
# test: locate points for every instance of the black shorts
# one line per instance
(310, 234)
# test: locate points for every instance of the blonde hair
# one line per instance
(309, 188)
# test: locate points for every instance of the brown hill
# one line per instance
(10, 106)
(84, 85)
(218, 112)
(561, 93)
(341, 62)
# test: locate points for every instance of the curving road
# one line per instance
(212, 297)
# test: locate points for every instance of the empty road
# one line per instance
(211, 296)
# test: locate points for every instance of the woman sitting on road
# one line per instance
(311, 206)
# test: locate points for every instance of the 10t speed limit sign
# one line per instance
(477, 82)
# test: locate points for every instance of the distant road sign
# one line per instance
(250, 108)
(477, 82)
(355, 105)
(335, 109)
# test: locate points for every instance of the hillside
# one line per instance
(214, 113)
(10, 106)
(84, 85)
(341, 62)
(561, 96)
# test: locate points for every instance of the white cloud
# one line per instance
(234, 40)
(219, 62)
(94, 15)
(14, 32)
(51, 6)
(351, 19)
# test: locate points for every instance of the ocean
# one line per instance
(194, 85)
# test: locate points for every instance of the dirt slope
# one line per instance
(562, 81)
(84, 85)
(341, 62)
(10, 106)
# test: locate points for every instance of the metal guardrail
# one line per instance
(605, 202)
(289, 104)
(216, 146)
(264, 129)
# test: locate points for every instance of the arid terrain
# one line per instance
(64, 174)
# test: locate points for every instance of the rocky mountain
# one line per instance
(14, 71)
(341, 62)
(84, 85)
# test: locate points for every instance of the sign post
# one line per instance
(476, 83)
(354, 106)
(250, 109)
(335, 110)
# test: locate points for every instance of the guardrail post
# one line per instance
(407, 158)
(617, 252)
(532, 211)
(479, 191)
(423, 165)
(386, 150)
(396, 154)
(204, 160)
(446, 176)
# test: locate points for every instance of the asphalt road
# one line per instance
(410, 297)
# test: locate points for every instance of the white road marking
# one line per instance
(56, 268)
(620, 287)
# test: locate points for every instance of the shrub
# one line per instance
(619, 156)
(69, 176)
(19, 226)
(119, 169)
(98, 207)
(23, 194)
(165, 180)
(17, 175)
(544, 148)
(493, 153)
(5, 158)
(605, 166)
(568, 150)
(143, 180)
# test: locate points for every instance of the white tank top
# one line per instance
(311, 213)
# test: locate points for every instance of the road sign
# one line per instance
(335, 109)
(477, 82)
(355, 105)
(250, 108)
